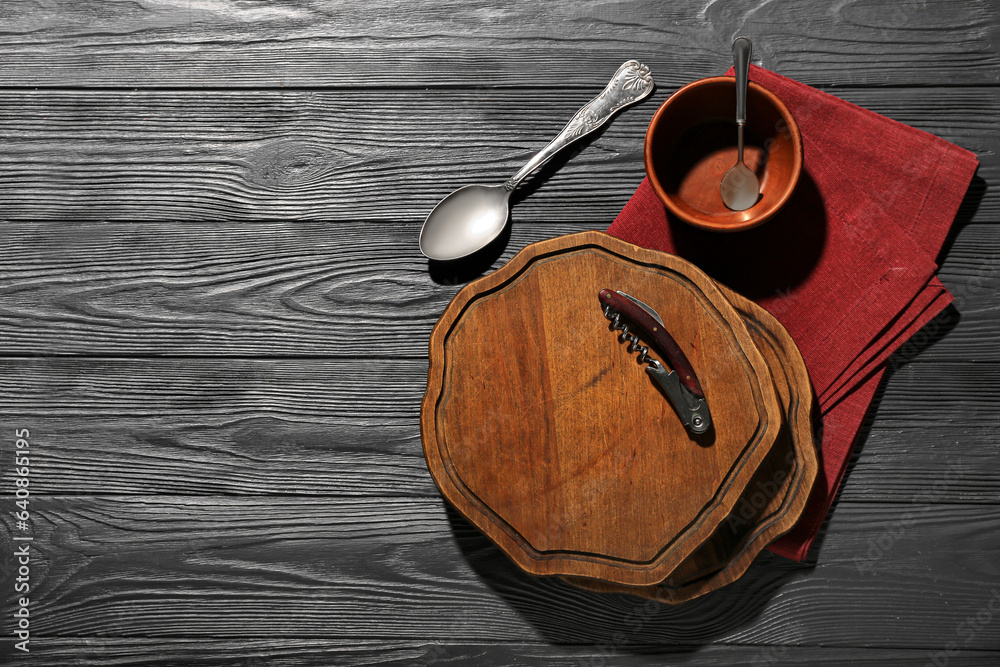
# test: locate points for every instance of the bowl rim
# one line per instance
(703, 223)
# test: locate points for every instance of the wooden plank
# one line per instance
(319, 457)
(945, 463)
(357, 155)
(387, 43)
(318, 289)
(368, 392)
(323, 652)
(388, 569)
(262, 454)
(350, 428)
(352, 391)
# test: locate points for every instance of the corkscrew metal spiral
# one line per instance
(628, 337)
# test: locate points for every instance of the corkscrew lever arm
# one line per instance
(681, 385)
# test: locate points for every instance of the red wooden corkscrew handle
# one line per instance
(658, 335)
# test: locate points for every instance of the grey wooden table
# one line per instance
(214, 318)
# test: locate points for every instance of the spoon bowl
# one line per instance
(465, 221)
(740, 188)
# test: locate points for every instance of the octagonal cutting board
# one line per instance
(546, 433)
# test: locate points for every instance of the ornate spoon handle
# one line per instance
(631, 83)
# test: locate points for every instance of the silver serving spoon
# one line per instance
(740, 187)
(469, 218)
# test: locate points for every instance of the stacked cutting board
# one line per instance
(547, 434)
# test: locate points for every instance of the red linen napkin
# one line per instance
(846, 266)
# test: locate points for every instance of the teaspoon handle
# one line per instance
(631, 83)
(741, 64)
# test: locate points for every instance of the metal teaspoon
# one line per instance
(469, 218)
(740, 187)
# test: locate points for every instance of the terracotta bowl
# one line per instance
(691, 144)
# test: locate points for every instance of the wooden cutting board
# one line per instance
(774, 500)
(544, 431)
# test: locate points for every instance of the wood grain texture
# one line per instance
(320, 289)
(386, 43)
(113, 426)
(142, 155)
(383, 569)
(558, 445)
(323, 652)
(306, 455)
(206, 389)
(259, 497)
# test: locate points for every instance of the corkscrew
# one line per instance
(681, 384)
(627, 336)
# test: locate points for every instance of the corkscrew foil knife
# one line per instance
(680, 384)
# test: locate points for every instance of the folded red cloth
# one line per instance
(846, 266)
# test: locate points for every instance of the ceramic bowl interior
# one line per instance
(691, 144)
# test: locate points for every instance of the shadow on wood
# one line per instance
(467, 269)
(966, 212)
(927, 337)
(562, 612)
(767, 261)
